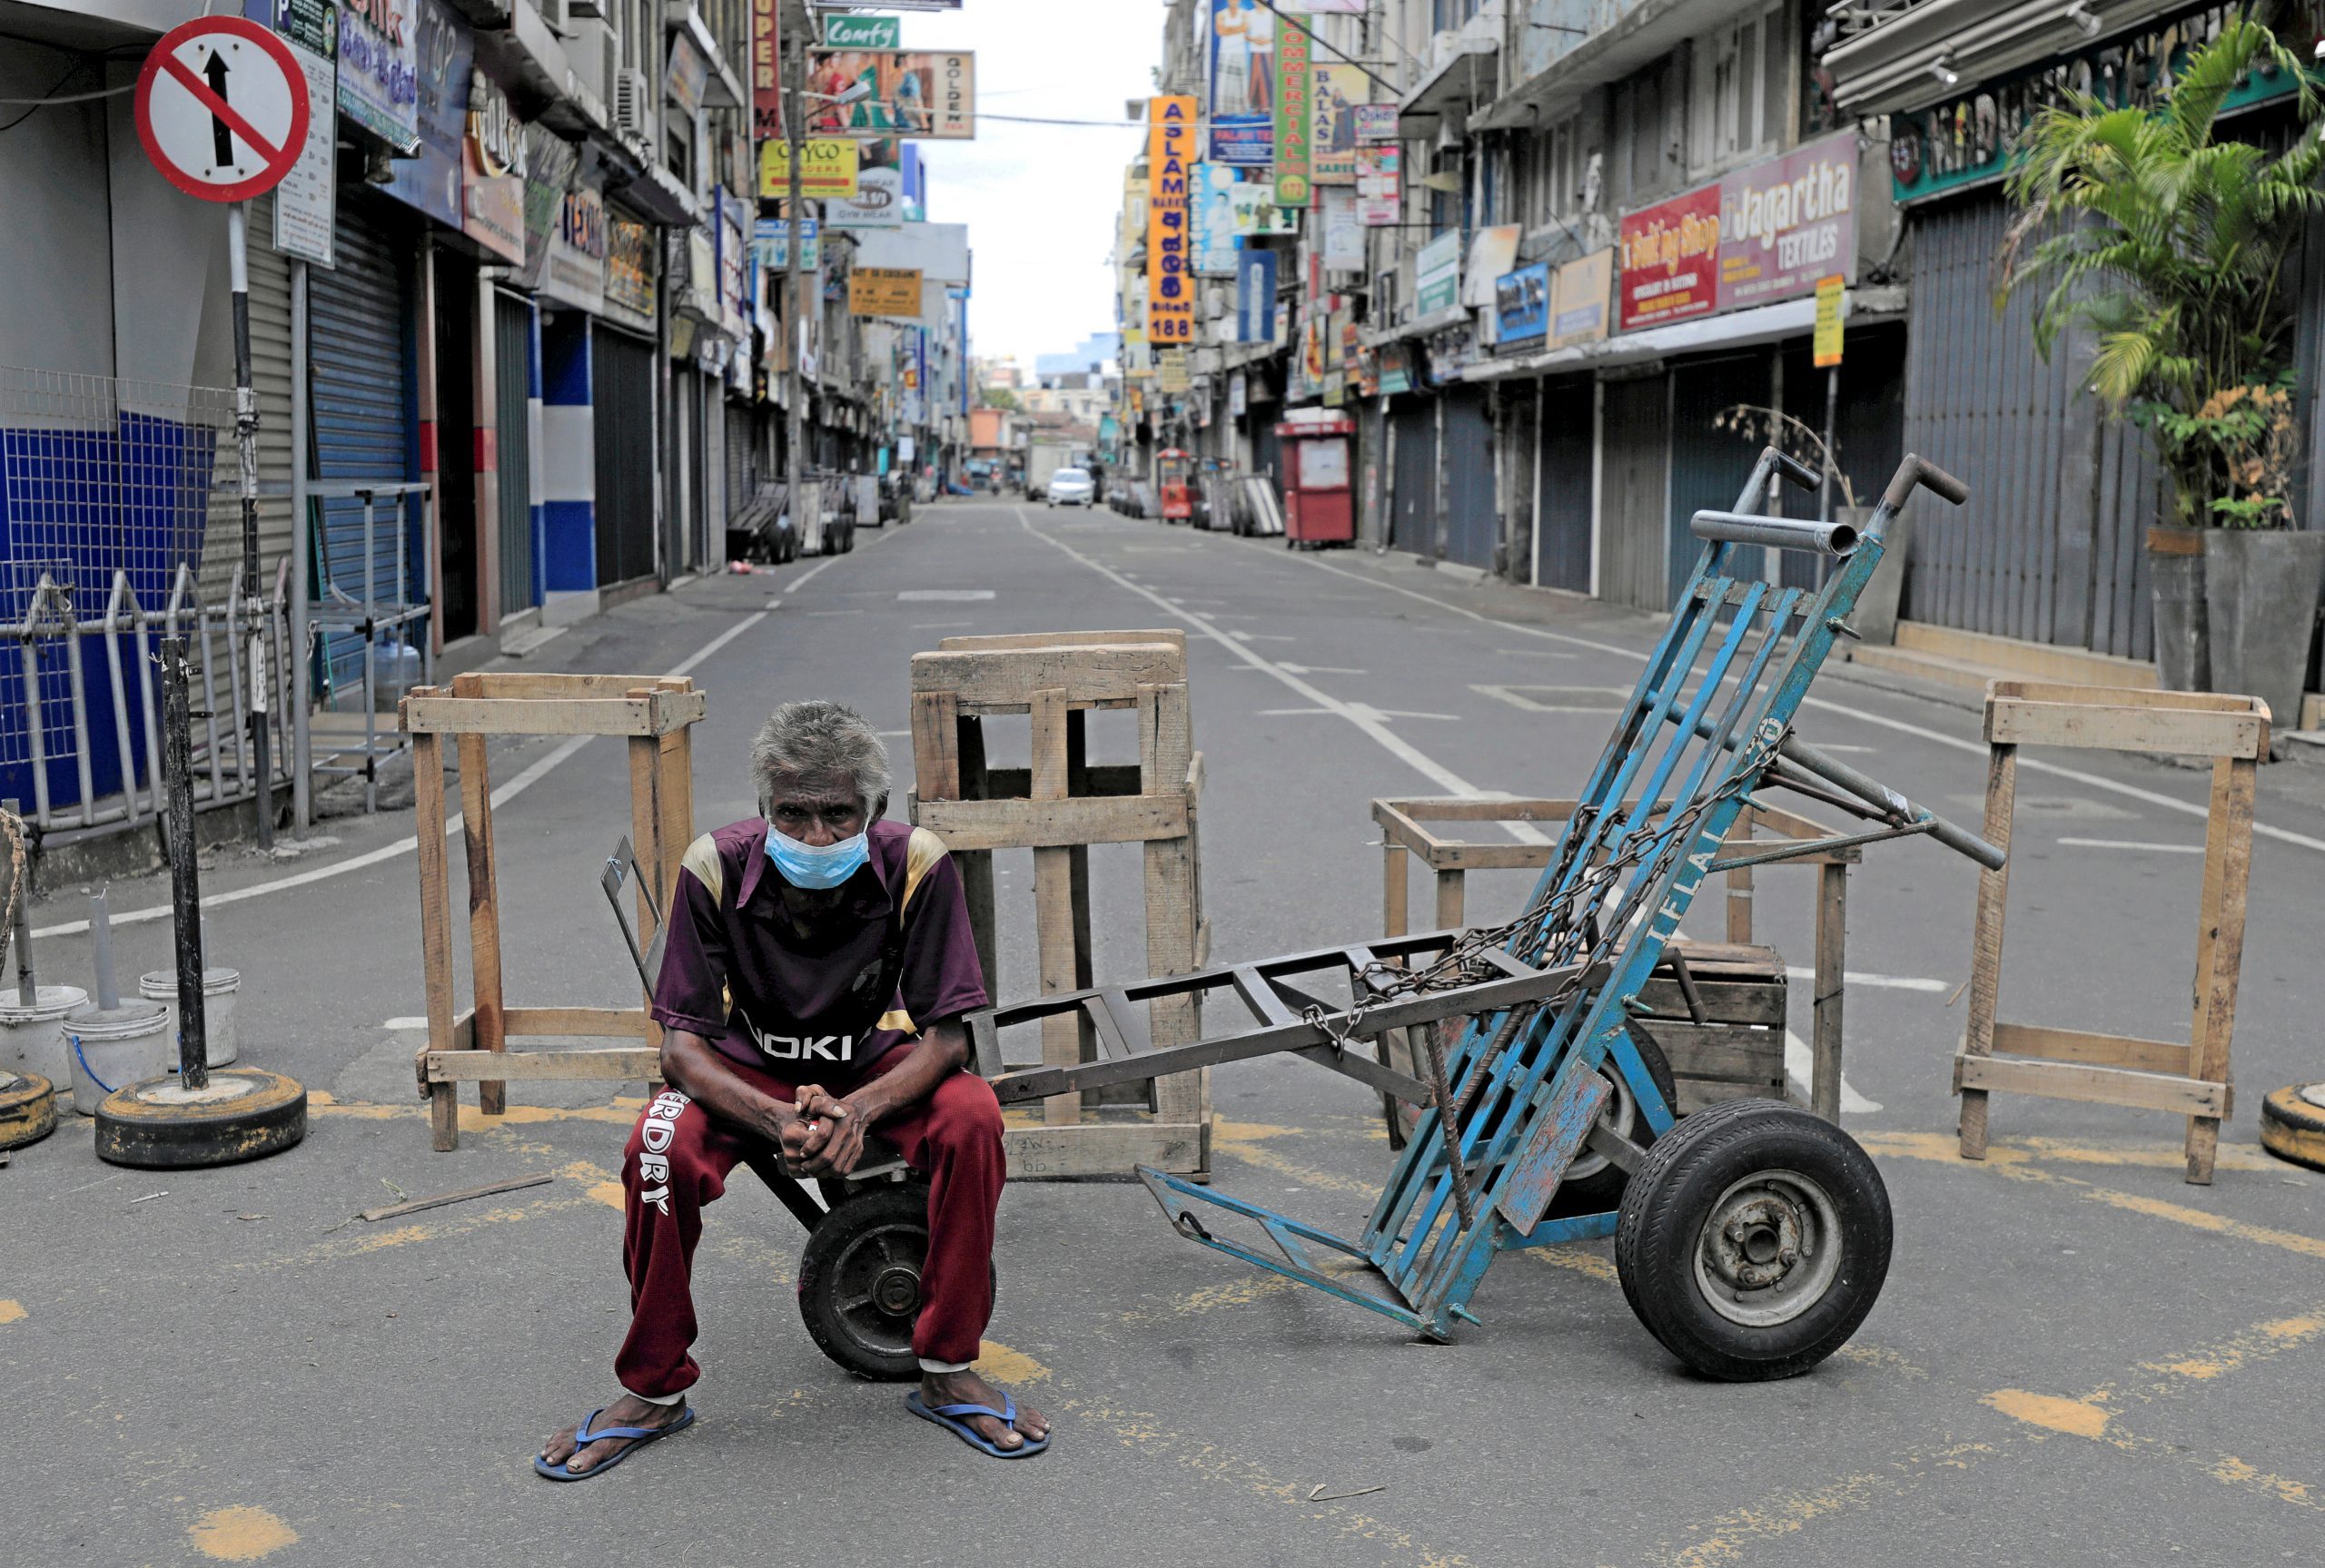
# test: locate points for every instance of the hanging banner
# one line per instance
(1255, 273)
(906, 92)
(1340, 92)
(492, 172)
(306, 202)
(1295, 99)
(1170, 161)
(1242, 83)
(1256, 214)
(1214, 189)
(766, 70)
(550, 163)
(1343, 236)
(1378, 196)
(827, 169)
(378, 69)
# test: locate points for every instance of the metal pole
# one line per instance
(795, 313)
(186, 876)
(1832, 415)
(302, 747)
(246, 440)
(27, 988)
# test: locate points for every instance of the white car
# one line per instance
(1072, 487)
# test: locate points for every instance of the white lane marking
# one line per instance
(1290, 713)
(501, 797)
(1515, 696)
(1306, 669)
(1800, 1072)
(420, 1022)
(937, 625)
(1261, 636)
(1531, 653)
(1385, 714)
(2133, 844)
(848, 612)
(1877, 982)
(1976, 748)
(916, 596)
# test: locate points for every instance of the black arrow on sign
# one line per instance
(221, 140)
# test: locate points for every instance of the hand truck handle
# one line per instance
(1888, 802)
(1798, 472)
(1918, 470)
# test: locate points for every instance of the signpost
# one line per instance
(1826, 347)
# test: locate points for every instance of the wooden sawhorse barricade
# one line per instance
(1720, 1021)
(470, 1046)
(1057, 808)
(2189, 1079)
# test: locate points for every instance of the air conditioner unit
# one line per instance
(633, 102)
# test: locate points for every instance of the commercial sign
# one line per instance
(1255, 274)
(1377, 193)
(1971, 138)
(1521, 304)
(1170, 163)
(845, 32)
(766, 70)
(378, 69)
(306, 202)
(883, 292)
(771, 237)
(907, 93)
(1242, 83)
(446, 55)
(1256, 214)
(878, 202)
(576, 274)
(827, 169)
(492, 172)
(550, 163)
(1340, 90)
(1579, 299)
(1437, 274)
(1670, 260)
(1215, 197)
(1825, 344)
(1787, 223)
(1295, 92)
(630, 267)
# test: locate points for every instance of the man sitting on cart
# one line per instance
(818, 963)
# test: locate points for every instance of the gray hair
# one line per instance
(820, 740)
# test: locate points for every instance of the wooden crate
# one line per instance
(1057, 808)
(656, 714)
(2191, 1079)
(1738, 1048)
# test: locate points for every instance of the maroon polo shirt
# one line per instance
(895, 957)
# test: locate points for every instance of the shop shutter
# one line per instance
(1471, 524)
(623, 395)
(1412, 523)
(1634, 425)
(1563, 475)
(512, 352)
(1709, 465)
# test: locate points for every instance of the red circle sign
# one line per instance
(221, 108)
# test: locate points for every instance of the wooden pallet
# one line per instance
(2191, 1079)
(1057, 808)
(1736, 1047)
(656, 714)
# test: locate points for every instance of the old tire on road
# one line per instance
(1754, 1239)
(859, 1280)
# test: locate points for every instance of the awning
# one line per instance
(1468, 77)
(1736, 330)
(1926, 54)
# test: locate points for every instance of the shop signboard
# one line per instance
(1579, 299)
(378, 69)
(1493, 251)
(766, 70)
(446, 56)
(1395, 372)
(306, 202)
(1170, 372)
(1825, 344)
(883, 292)
(827, 169)
(1437, 274)
(1255, 285)
(550, 163)
(1376, 122)
(629, 268)
(1787, 221)
(1295, 108)
(687, 75)
(1242, 83)
(1215, 195)
(1343, 236)
(1257, 215)
(772, 237)
(907, 93)
(1340, 90)
(576, 274)
(1170, 163)
(1670, 260)
(878, 202)
(492, 172)
(1522, 305)
(735, 220)
(1377, 195)
(845, 32)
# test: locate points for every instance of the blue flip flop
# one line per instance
(949, 1417)
(583, 1436)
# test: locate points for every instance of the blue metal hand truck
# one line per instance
(1751, 1238)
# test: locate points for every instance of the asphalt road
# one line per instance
(2078, 1359)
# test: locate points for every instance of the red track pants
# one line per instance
(677, 1160)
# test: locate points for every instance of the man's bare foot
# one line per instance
(966, 1388)
(628, 1410)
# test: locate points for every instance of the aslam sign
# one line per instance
(1170, 163)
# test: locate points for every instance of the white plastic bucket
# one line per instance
(219, 987)
(107, 1050)
(32, 1038)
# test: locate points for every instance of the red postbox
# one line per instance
(1319, 503)
(1174, 470)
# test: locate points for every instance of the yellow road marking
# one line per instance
(240, 1534)
(2079, 1418)
(12, 1311)
(620, 1112)
(1004, 1365)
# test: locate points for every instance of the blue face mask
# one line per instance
(807, 865)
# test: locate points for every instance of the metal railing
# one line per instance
(352, 627)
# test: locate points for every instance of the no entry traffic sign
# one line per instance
(221, 108)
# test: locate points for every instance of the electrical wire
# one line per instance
(70, 97)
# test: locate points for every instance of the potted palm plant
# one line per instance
(2171, 246)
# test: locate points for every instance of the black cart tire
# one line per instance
(27, 1108)
(2292, 1124)
(859, 1280)
(1593, 1183)
(254, 1113)
(1754, 1239)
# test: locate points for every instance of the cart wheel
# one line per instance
(1754, 1240)
(859, 1280)
(1593, 1183)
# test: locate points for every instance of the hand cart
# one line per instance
(1751, 1238)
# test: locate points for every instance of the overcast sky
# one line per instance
(1041, 200)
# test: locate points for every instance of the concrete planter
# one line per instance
(1875, 615)
(2175, 558)
(2260, 591)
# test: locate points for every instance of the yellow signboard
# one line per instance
(828, 168)
(1169, 276)
(1827, 343)
(884, 291)
(1170, 371)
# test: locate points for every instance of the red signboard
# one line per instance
(767, 73)
(1669, 264)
